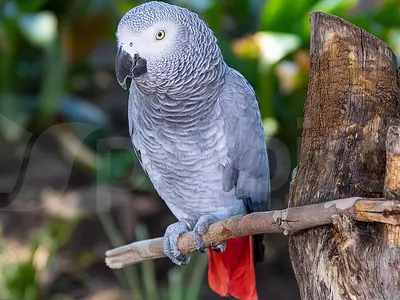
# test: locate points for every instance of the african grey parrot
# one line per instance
(196, 128)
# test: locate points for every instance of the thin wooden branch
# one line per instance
(286, 221)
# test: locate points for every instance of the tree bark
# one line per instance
(353, 98)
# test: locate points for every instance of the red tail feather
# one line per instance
(231, 273)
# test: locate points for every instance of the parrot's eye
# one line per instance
(160, 35)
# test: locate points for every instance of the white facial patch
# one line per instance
(145, 43)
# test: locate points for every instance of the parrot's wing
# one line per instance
(246, 167)
(132, 131)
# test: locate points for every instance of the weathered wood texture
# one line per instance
(392, 185)
(352, 99)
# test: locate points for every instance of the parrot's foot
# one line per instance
(201, 228)
(171, 236)
(219, 248)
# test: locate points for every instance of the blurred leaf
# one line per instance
(284, 15)
(175, 290)
(55, 234)
(269, 47)
(130, 279)
(240, 10)
(23, 284)
(115, 165)
(267, 90)
(271, 126)
(80, 110)
(213, 16)
(12, 122)
(337, 7)
(388, 14)
(196, 277)
(394, 40)
(30, 5)
(123, 6)
(40, 29)
(245, 66)
(148, 268)
(9, 10)
(247, 47)
(199, 6)
(85, 259)
(20, 277)
(9, 106)
(81, 38)
(53, 80)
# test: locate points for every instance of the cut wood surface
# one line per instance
(352, 99)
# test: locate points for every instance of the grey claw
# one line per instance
(219, 248)
(201, 228)
(172, 234)
(181, 260)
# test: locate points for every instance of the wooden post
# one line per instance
(352, 99)
(392, 184)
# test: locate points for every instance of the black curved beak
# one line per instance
(127, 66)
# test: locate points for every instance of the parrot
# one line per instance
(196, 128)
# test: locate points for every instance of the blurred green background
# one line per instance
(70, 187)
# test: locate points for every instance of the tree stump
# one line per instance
(353, 98)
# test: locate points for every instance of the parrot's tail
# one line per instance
(231, 273)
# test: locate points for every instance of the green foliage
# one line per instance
(19, 277)
(183, 283)
(41, 41)
(21, 282)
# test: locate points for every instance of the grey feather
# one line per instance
(248, 171)
(132, 134)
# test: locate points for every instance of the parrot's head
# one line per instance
(163, 46)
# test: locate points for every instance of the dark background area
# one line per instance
(70, 186)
